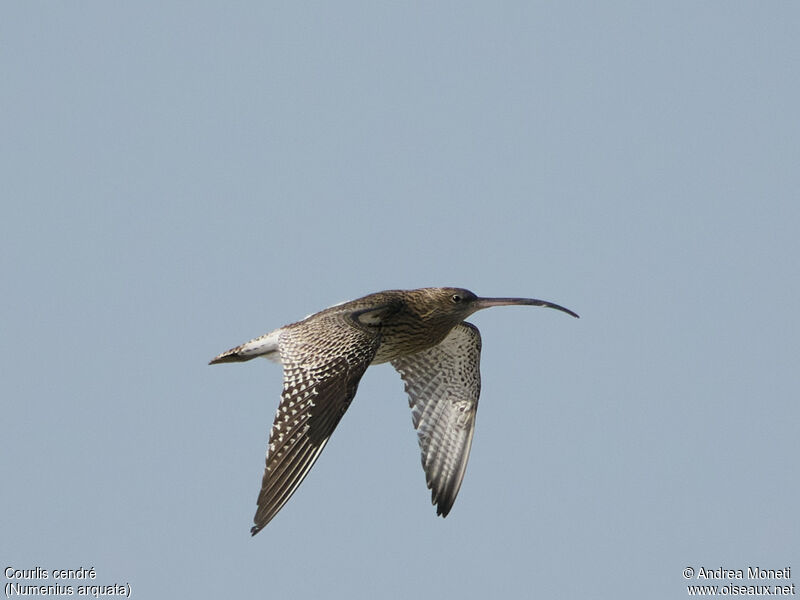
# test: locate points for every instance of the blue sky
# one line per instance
(180, 178)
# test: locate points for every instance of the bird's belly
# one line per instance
(384, 355)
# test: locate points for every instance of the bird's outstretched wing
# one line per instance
(443, 384)
(323, 361)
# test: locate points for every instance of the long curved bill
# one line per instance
(482, 303)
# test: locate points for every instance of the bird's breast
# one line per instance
(406, 339)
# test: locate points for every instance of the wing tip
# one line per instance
(443, 504)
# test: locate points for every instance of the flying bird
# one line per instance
(423, 334)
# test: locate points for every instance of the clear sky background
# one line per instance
(179, 177)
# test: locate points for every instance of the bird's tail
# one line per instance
(266, 346)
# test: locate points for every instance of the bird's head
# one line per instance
(453, 305)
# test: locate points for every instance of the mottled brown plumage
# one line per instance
(423, 334)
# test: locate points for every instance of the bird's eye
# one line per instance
(456, 298)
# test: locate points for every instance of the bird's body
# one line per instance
(422, 333)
